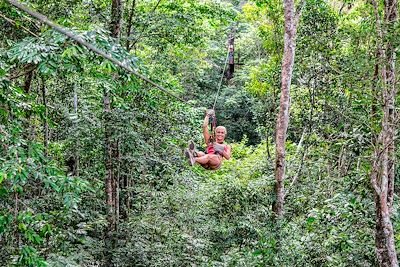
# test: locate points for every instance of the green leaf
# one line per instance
(3, 176)
(310, 220)
(257, 252)
(22, 227)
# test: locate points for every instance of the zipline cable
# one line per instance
(220, 82)
(214, 117)
(89, 46)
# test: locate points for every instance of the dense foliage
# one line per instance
(53, 125)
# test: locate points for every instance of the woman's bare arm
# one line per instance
(206, 134)
(227, 153)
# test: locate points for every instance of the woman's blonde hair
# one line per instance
(221, 127)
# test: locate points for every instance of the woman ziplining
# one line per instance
(216, 150)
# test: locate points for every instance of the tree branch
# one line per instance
(91, 47)
(17, 75)
(298, 13)
(15, 24)
(141, 32)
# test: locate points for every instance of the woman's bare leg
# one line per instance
(200, 154)
(209, 160)
(204, 159)
(214, 162)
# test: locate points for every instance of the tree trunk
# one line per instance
(116, 15)
(291, 21)
(45, 124)
(384, 238)
(129, 25)
(108, 154)
(391, 16)
(76, 157)
(28, 81)
(111, 185)
(117, 156)
(383, 164)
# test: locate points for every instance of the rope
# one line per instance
(220, 82)
(214, 118)
(82, 42)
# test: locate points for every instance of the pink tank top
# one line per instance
(210, 149)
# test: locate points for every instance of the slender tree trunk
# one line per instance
(382, 174)
(127, 183)
(108, 159)
(116, 15)
(109, 182)
(17, 235)
(117, 183)
(111, 185)
(30, 133)
(129, 25)
(45, 124)
(291, 21)
(28, 81)
(391, 16)
(76, 157)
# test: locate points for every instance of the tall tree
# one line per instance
(382, 175)
(111, 185)
(116, 15)
(291, 22)
(129, 25)
(45, 123)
